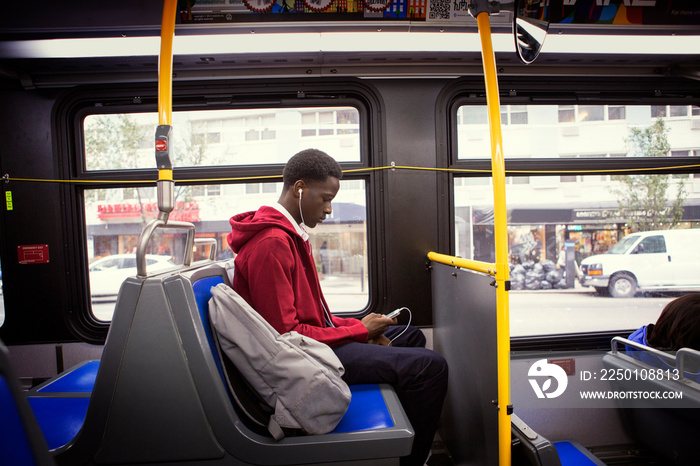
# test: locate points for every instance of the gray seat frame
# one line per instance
(159, 397)
(669, 427)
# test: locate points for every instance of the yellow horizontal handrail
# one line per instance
(7, 178)
(478, 266)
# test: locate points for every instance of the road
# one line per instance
(531, 312)
(543, 311)
(554, 311)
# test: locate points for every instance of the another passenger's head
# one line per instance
(311, 181)
(678, 325)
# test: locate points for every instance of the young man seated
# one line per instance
(276, 275)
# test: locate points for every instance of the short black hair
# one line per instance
(310, 164)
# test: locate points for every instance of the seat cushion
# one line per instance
(60, 419)
(81, 379)
(367, 410)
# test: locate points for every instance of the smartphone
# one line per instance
(394, 313)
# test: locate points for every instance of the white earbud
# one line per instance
(300, 212)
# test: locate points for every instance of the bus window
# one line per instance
(248, 139)
(563, 218)
(222, 137)
(116, 216)
(576, 131)
(591, 215)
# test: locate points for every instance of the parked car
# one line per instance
(660, 260)
(108, 273)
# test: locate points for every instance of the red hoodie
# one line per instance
(276, 274)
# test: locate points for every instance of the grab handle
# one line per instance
(212, 242)
(145, 238)
(682, 355)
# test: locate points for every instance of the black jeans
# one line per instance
(418, 375)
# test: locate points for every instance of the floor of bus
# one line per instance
(438, 455)
(615, 455)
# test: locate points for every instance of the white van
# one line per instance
(660, 260)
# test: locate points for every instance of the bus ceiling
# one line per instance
(49, 44)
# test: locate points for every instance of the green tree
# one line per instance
(126, 142)
(119, 142)
(112, 142)
(648, 202)
(190, 151)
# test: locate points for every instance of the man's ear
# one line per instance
(299, 187)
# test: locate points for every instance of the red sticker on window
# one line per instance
(33, 254)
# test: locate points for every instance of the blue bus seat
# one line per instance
(254, 411)
(60, 418)
(668, 427)
(160, 393)
(60, 403)
(21, 440)
(531, 448)
(78, 379)
(572, 453)
(367, 409)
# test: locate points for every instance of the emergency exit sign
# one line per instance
(33, 253)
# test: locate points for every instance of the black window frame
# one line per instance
(554, 91)
(76, 104)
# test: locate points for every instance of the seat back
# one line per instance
(247, 401)
(202, 283)
(367, 410)
(21, 440)
(667, 426)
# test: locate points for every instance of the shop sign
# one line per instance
(596, 214)
(184, 211)
(604, 214)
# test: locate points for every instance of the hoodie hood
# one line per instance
(248, 224)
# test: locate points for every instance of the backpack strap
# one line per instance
(275, 429)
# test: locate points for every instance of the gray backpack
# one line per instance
(296, 375)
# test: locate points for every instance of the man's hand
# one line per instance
(382, 340)
(376, 325)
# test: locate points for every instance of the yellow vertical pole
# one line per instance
(165, 76)
(501, 240)
(165, 63)
(165, 184)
